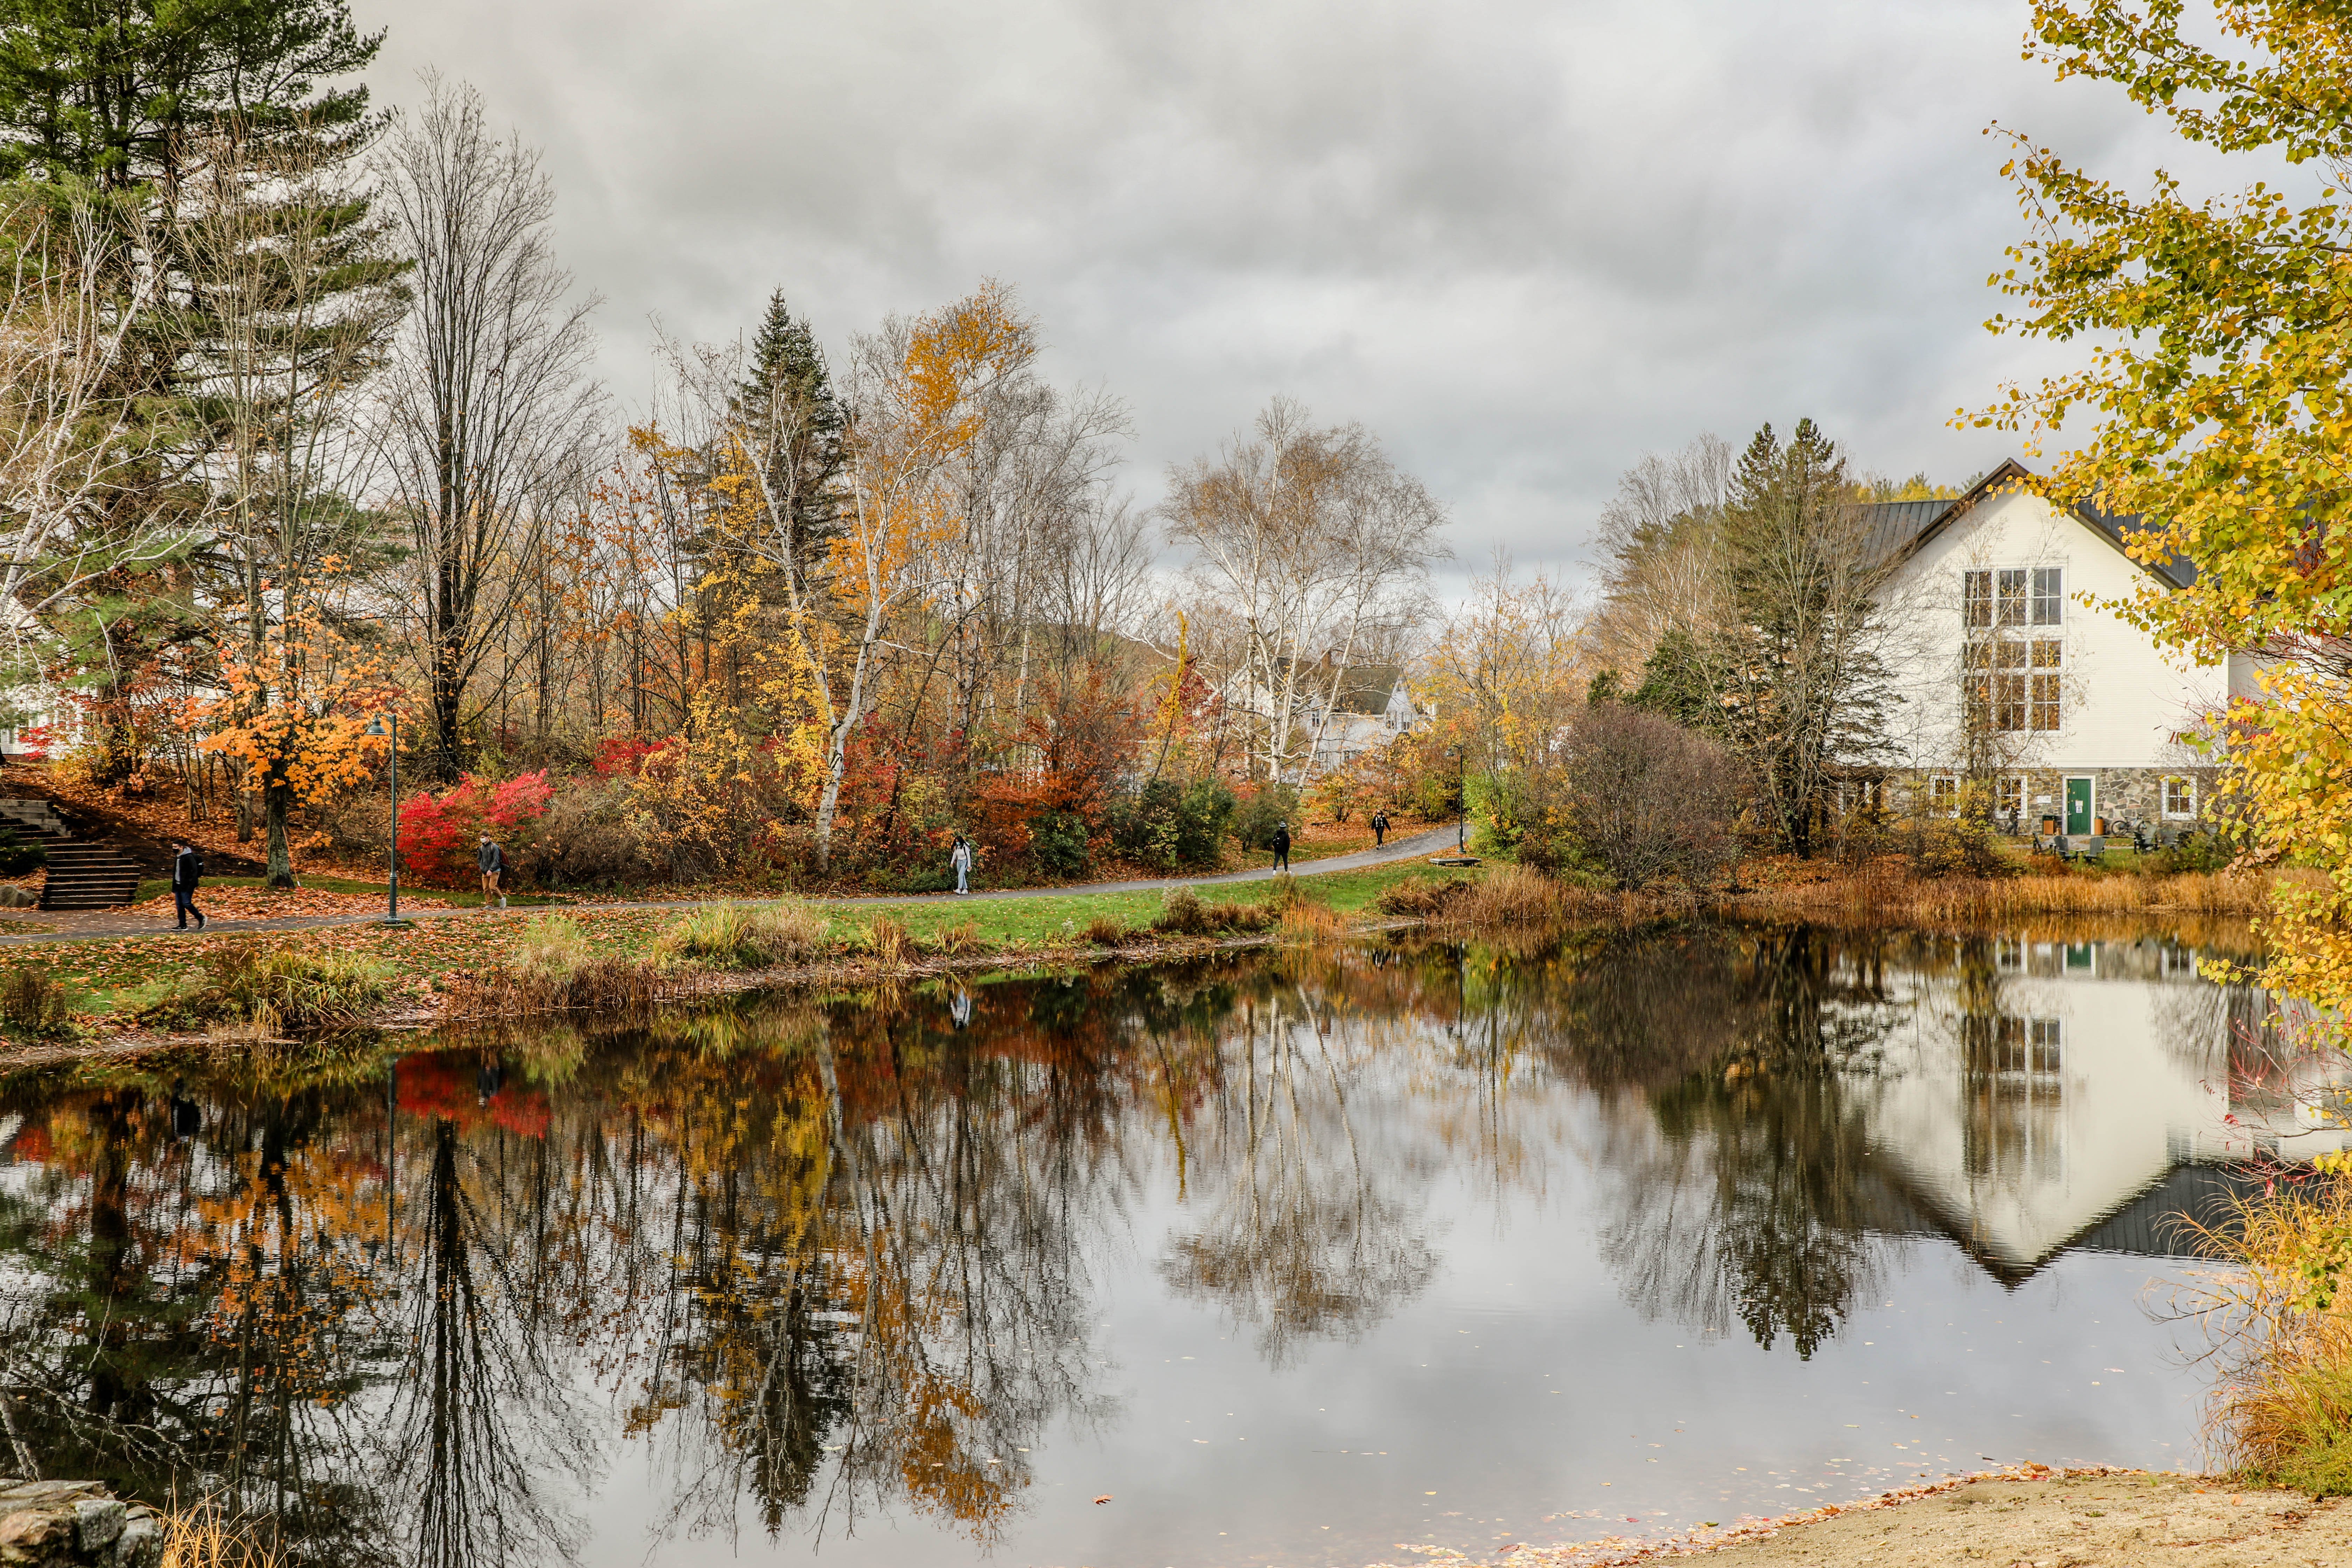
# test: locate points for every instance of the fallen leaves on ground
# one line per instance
(263, 904)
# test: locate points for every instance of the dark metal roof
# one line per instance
(1896, 528)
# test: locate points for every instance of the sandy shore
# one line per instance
(2023, 1519)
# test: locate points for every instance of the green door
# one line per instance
(2078, 806)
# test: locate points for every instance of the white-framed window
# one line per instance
(2048, 699)
(2179, 797)
(2009, 796)
(1944, 795)
(2013, 684)
(2048, 596)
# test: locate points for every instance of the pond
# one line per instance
(1300, 1258)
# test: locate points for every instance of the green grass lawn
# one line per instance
(106, 977)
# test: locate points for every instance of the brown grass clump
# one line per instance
(745, 936)
(1883, 890)
(1422, 899)
(962, 937)
(204, 1535)
(1183, 914)
(32, 1000)
(2281, 1411)
(553, 966)
(1508, 895)
(1104, 931)
(889, 943)
(1309, 921)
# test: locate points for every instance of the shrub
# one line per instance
(554, 964)
(1170, 825)
(589, 837)
(437, 835)
(1255, 822)
(1104, 931)
(1949, 847)
(741, 936)
(1646, 798)
(2202, 851)
(2283, 1315)
(32, 1000)
(1181, 914)
(1057, 843)
(18, 856)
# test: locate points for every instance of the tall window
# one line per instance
(1976, 600)
(2011, 800)
(1944, 796)
(2048, 693)
(2048, 596)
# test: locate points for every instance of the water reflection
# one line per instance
(809, 1264)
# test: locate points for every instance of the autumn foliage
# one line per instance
(437, 836)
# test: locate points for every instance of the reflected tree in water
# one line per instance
(1301, 1239)
(1745, 1191)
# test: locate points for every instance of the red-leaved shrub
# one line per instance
(437, 837)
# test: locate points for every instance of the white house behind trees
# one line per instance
(2015, 678)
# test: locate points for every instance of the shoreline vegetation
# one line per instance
(112, 995)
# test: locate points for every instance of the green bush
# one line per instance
(2201, 851)
(1171, 825)
(1057, 843)
(19, 857)
(1255, 822)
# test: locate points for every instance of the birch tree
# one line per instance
(1313, 539)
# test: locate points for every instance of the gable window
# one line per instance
(2009, 606)
(2179, 797)
(2048, 596)
(1976, 600)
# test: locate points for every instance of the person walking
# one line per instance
(960, 862)
(494, 866)
(187, 869)
(1380, 828)
(1281, 846)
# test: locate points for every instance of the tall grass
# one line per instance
(1882, 891)
(553, 964)
(261, 993)
(32, 1000)
(745, 936)
(204, 1535)
(2281, 1411)
(1508, 895)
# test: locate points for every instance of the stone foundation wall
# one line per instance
(74, 1525)
(2119, 794)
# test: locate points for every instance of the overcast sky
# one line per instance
(1524, 240)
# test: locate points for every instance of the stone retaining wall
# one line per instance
(74, 1525)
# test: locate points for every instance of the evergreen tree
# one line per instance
(1800, 682)
(1677, 683)
(793, 423)
(106, 91)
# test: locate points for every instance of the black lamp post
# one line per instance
(375, 726)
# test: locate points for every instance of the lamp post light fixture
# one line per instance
(392, 855)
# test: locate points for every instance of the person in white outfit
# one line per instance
(959, 857)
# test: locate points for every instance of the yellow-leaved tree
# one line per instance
(2213, 398)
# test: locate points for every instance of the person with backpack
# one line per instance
(1380, 828)
(187, 870)
(1280, 843)
(960, 862)
(494, 866)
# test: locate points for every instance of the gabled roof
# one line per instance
(1895, 529)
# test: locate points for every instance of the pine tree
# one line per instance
(108, 91)
(793, 423)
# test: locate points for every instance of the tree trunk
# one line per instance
(277, 802)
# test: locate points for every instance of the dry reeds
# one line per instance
(1508, 895)
(205, 1535)
(745, 936)
(888, 942)
(258, 993)
(1104, 931)
(553, 966)
(2281, 1411)
(1183, 914)
(1881, 891)
(961, 938)
(32, 1000)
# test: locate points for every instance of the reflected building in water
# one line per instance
(2035, 1095)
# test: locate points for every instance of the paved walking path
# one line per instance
(84, 927)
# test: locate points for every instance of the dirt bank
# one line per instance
(2017, 1519)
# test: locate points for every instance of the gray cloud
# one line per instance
(1525, 241)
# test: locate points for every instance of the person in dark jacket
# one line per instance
(1281, 846)
(187, 869)
(1380, 828)
(494, 866)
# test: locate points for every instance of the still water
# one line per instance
(1290, 1260)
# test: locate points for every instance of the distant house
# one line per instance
(2013, 672)
(1341, 712)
